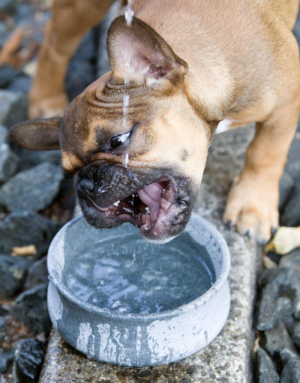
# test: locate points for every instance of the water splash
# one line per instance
(129, 13)
(126, 159)
(125, 110)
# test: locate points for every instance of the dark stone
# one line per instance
(292, 261)
(281, 282)
(3, 312)
(7, 5)
(80, 74)
(296, 31)
(7, 74)
(293, 162)
(291, 372)
(265, 368)
(13, 108)
(274, 257)
(296, 334)
(87, 48)
(288, 320)
(6, 357)
(27, 228)
(285, 188)
(3, 33)
(32, 189)
(275, 300)
(3, 329)
(9, 162)
(37, 274)
(272, 308)
(28, 361)
(279, 345)
(21, 84)
(13, 272)
(24, 14)
(293, 168)
(290, 215)
(3, 135)
(31, 308)
(29, 159)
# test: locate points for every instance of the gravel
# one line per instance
(9, 162)
(279, 345)
(266, 371)
(28, 360)
(291, 372)
(3, 329)
(6, 357)
(37, 274)
(7, 74)
(27, 228)
(31, 308)
(13, 108)
(13, 272)
(290, 215)
(32, 189)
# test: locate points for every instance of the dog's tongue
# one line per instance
(151, 196)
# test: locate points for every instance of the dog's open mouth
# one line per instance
(145, 207)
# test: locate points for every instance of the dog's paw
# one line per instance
(252, 208)
(47, 107)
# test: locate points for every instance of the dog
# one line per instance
(193, 65)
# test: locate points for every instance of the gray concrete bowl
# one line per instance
(137, 339)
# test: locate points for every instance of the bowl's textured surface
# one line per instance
(136, 339)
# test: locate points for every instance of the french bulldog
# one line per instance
(190, 66)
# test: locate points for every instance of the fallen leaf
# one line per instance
(24, 250)
(256, 344)
(30, 68)
(285, 240)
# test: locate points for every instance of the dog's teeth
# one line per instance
(116, 203)
(147, 210)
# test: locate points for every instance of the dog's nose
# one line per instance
(85, 186)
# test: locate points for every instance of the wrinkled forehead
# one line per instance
(95, 116)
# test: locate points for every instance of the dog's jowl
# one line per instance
(192, 65)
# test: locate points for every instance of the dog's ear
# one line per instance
(142, 53)
(40, 134)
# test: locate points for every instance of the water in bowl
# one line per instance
(131, 276)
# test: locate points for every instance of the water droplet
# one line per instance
(126, 159)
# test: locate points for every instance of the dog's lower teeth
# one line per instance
(147, 210)
(128, 210)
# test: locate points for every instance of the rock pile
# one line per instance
(35, 200)
(277, 318)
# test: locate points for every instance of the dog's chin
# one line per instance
(160, 210)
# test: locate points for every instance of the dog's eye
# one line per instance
(119, 140)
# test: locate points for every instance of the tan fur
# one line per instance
(243, 65)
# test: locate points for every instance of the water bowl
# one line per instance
(119, 299)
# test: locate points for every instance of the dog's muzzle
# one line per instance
(156, 201)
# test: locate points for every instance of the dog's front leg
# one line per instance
(71, 19)
(253, 201)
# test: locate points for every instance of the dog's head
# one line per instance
(143, 163)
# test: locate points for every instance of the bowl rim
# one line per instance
(213, 290)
